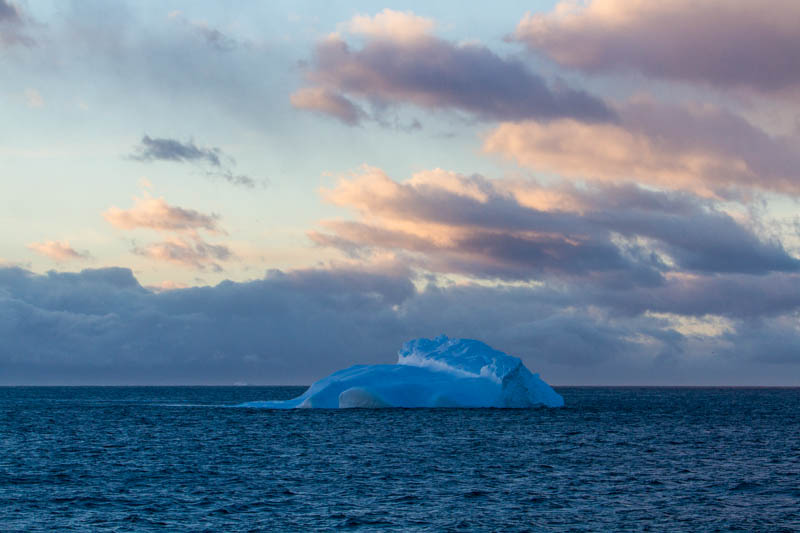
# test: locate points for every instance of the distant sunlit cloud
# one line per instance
(705, 149)
(724, 43)
(183, 243)
(58, 251)
(401, 62)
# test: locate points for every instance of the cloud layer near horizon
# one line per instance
(101, 326)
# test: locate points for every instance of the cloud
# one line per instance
(397, 25)
(213, 37)
(162, 149)
(58, 250)
(235, 179)
(774, 342)
(703, 149)
(157, 214)
(168, 285)
(193, 253)
(101, 326)
(725, 43)
(184, 245)
(12, 23)
(515, 230)
(151, 149)
(736, 296)
(327, 102)
(400, 62)
(8, 12)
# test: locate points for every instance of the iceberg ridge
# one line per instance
(438, 372)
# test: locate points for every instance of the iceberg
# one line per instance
(438, 372)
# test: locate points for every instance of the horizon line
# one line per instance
(649, 386)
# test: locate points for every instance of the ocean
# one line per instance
(614, 459)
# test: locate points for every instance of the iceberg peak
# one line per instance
(466, 357)
(439, 372)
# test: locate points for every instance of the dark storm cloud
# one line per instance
(285, 328)
(425, 71)
(101, 326)
(726, 43)
(702, 240)
(735, 296)
(774, 342)
(162, 149)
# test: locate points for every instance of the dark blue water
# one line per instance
(177, 459)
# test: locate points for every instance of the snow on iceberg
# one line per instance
(438, 372)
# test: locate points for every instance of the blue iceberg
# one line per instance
(438, 372)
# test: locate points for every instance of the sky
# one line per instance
(218, 193)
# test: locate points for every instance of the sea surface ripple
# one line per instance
(181, 459)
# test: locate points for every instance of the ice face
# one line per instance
(438, 372)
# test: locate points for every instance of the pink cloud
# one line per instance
(400, 62)
(190, 253)
(327, 102)
(721, 42)
(155, 213)
(444, 222)
(58, 250)
(390, 24)
(183, 244)
(168, 285)
(704, 149)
